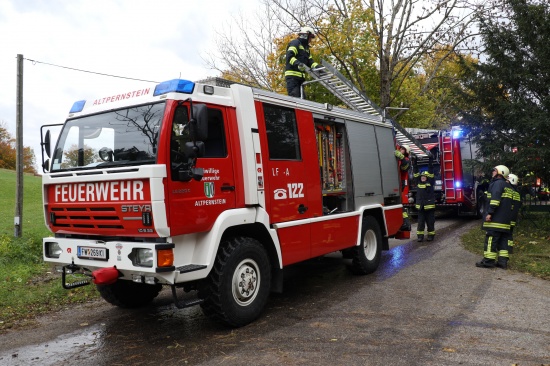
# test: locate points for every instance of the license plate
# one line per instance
(92, 253)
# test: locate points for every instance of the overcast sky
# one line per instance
(142, 39)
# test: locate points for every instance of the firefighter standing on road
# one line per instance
(516, 198)
(402, 154)
(497, 216)
(425, 201)
(297, 58)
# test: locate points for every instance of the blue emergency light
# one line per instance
(458, 184)
(176, 85)
(78, 106)
(457, 134)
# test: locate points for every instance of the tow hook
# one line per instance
(71, 269)
(105, 276)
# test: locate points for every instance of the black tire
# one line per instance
(128, 294)
(240, 262)
(366, 256)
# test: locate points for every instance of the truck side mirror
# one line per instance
(188, 171)
(47, 139)
(199, 122)
(46, 166)
(194, 150)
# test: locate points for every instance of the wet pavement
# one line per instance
(426, 305)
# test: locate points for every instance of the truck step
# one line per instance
(79, 283)
(184, 303)
(190, 268)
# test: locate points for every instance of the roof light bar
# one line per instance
(176, 85)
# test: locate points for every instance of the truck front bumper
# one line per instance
(146, 262)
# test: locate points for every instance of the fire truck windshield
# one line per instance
(115, 138)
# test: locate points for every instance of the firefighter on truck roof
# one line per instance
(297, 58)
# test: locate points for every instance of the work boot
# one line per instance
(430, 237)
(502, 262)
(420, 238)
(486, 263)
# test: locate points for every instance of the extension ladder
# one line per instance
(344, 90)
(448, 167)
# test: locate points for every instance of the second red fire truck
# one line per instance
(456, 184)
(214, 190)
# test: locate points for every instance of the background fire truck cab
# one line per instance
(456, 184)
(214, 190)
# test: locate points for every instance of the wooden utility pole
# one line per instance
(18, 220)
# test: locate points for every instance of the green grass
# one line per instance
(531, 245)
(27, 285)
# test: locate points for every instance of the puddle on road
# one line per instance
(69, 347)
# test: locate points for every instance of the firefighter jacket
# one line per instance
(516, 205)
(425, 196)
(296, 53)
(498, 204)
(404, 162)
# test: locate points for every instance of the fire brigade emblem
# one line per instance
(209, 189)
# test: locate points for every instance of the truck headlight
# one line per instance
(52, 249)
(142, 257)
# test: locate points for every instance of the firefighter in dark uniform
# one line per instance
(516, 206)
(402, 155)
(425, 201)
(297, 58)
(497, 215)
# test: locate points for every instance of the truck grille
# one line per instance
(85, 218)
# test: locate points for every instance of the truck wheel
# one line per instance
(128, 294)
(366, 256)
(238, 286)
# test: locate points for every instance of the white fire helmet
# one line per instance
(513, 179)
(502, 170)
(407, 148)
(307, 31)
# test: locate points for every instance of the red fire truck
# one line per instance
(456, 184)
(214, 190)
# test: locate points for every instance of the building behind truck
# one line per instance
(212, 191)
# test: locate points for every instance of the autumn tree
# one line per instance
(377, 45)
(246, 50)
(509, 91)
(8, 154)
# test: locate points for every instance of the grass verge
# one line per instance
(27, 286)
(531, 245)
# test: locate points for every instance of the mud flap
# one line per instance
(403, 235)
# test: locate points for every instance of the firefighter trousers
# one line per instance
(426, 218)
(509, 238)
(496, 244)
(293, 86)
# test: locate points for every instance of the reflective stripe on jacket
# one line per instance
(425, 196)
(298, 50)
(499, 205)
